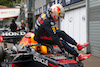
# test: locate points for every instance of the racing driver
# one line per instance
(45, 34)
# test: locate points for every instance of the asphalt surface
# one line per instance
(93, 61)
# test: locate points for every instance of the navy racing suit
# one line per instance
(44, 34)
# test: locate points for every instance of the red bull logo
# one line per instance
(43, 16)
(58, 10)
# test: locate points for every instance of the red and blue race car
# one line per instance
(29, 53)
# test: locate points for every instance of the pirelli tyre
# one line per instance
(2, 54)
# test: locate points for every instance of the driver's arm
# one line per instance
(49, 30)
(55, 38)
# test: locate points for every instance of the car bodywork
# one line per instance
(27, 54)
(8, 36)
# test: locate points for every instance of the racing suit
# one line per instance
(64, 36)
(44, 34)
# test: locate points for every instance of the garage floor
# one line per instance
(92, 62)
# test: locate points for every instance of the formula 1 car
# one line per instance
(29, 53)
(8, 36)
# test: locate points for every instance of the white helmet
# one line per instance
(57, 11)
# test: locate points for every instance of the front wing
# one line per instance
(48, 60)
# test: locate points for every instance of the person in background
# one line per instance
(45, 34)
(13, 27)
(22, 25)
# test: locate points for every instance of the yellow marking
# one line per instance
(43, 16)
(54, 29)
(58, 10)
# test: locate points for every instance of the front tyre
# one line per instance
(2, 54)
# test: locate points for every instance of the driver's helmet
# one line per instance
(22, 21)
(57, 11)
